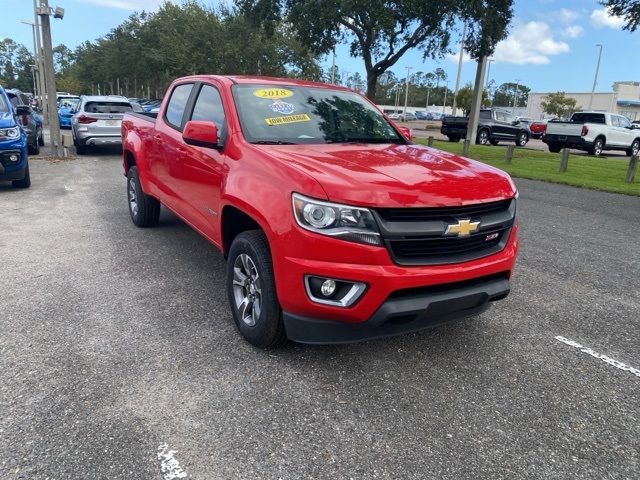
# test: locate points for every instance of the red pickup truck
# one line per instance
(335, 226)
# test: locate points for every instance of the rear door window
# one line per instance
(177, 104)
(485, 114)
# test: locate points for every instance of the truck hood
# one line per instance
(7, 120)
(396, 175)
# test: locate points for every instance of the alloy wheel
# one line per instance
(133, 199)
(246, 289)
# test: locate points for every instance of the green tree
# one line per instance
(627, 9)
(559, 105)
(507, 92)
(465, 97)
(380, 31)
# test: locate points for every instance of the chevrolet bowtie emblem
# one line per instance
(463, 228)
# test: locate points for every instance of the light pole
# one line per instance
(406, 94)
(44, 11)
(427, 105)
(486, 85)
(446, 90)
(333, 68)
(515, 93)
(455, 94)
(38, 89)
(595, 78)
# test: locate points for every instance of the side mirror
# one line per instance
(406, 133)
(201, 134)
(515, 122)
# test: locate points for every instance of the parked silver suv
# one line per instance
(96, 121)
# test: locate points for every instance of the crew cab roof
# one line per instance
(257, 80)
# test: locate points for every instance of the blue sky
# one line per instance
(551, 45)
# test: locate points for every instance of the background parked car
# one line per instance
(66, 109)
(97, 121)
(636, 124)
(538, 128)
(420, 115)
(14, 156)
(494, 125)
(28, 119)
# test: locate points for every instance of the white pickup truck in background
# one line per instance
(593, 132)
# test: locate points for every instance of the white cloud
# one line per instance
(574, 31)
(565, 15)
(603, 18)
(531, 43)
(455, 57)
(127, 4)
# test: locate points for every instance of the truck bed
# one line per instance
(568, 129)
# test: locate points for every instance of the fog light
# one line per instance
(14, 158)
(328, 287)
(329, 291)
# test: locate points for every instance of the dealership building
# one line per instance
(624, 100)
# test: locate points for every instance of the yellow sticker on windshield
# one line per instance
(303, 117)
(273, 93)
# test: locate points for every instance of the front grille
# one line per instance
(442, 213)
(416, 236)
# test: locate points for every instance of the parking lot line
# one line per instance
(169, 465)
(604, 358)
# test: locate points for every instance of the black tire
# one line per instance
(522, 139)
(598, 146)
(41, 138)
(454, 139)
(494, 142)
(554, 148)
(34, 149)
(143, 209)
(25, 182)
(635, 148)
(264, 329)
(483, 137)
(81, 149)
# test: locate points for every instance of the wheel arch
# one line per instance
(234, 221)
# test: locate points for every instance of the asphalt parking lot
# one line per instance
(119, 357)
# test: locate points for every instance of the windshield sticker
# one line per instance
(273, 93)
(283, 108)
(303, 117)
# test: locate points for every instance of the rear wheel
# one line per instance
(598, 146)
(40, 138)
(252, 292)
(25, 182)
(454, 139)
(81, 149)
(635, 148)
(554, 148)
(144, 209)
(483, 137)
(34, 149)
(522, 139)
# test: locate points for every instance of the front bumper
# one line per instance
(397, 298)
(13, 170)
(403, 312)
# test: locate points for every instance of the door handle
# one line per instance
(182, 153)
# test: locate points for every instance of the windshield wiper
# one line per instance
(273, 142)
(364, 140)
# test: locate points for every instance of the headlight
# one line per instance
(13, 132)
(354, 224)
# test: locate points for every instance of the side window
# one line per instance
(485, 114)
(208, 106)
(501, 117)
(624, 122)
(177, 104)
(614, 121)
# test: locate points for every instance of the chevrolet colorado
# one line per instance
(335, 226)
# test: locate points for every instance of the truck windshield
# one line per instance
(271, 114)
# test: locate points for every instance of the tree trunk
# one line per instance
(372, 85)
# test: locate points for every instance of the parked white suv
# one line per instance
(593, 132)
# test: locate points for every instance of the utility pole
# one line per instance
(406, 93)
(446, 90)
(427, 105)
(40, 63)
(50, 75)
(333, 68)
(472, 126)
(515, 93)
(455, 94)
(595, 78)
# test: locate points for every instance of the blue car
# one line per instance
(14, 158)
(66, 109)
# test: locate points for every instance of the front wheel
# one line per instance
(522, 139)
(635, 148)
(454, 139)
(252, 292)
(25, 182)
(144, 209)
(555, 148)
(495, 142)
(40, 138)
